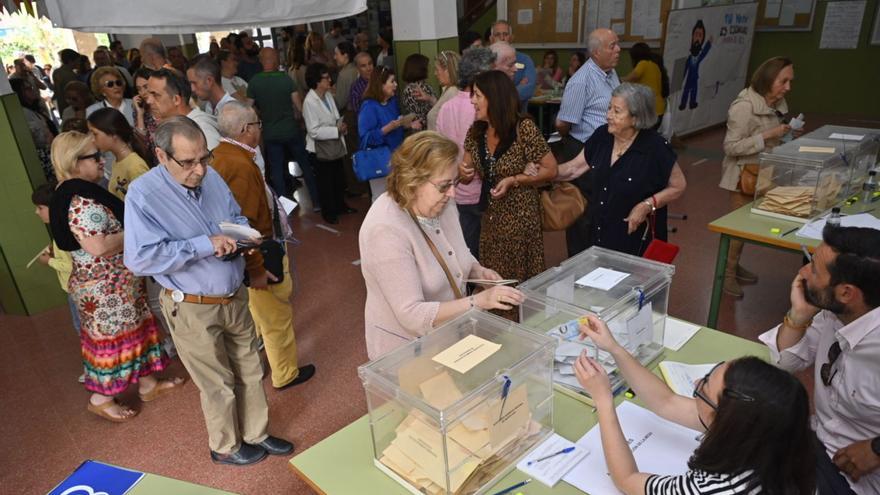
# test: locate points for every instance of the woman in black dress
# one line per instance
(635, 173)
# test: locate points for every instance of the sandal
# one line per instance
(159, 390)
(101, 410)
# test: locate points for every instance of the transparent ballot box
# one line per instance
(627, 292)
(805, 177)
(860, 146)
(453, 411)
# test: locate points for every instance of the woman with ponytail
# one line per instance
(115, 135)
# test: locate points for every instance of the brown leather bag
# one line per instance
(748, 178)
(562, 204)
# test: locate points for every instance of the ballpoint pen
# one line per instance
(514, 487)
(504, 392)
(807, 253)
(560, 452)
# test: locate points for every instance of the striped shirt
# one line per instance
(697, 482)
(586, 99)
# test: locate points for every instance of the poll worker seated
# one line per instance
(755, 418)
(834, 325)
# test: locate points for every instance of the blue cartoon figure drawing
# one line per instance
(699, 48)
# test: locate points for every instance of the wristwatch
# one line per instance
(875, 446)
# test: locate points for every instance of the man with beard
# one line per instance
(692, 67)
(834, 325)
(248, 51)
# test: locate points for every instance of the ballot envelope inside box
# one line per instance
(629, 293)
(805, 177)
(454, 410)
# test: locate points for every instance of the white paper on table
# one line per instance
(288, 204)
(551, 470)
(677, 333)
(847, 137)
(239, 232)
(602, 278)
(640, 328)
(659, 446)
(813, 229)
(681, 377)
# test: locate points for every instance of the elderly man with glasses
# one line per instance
(268, 269)
(172, 234)
(834, 325)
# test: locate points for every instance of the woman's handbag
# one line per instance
(658, 250)
(562, 204)
(328, 150)
(748, 178)
(371, 163)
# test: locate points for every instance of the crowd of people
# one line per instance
(156, 150)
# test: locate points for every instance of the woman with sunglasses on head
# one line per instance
(113, 134)
(755, 418)
(108, 86)
(119, 337)
(413, 256)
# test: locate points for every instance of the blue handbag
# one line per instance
(371, 163)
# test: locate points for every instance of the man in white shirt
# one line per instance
(834, 325)
(168, 94)
(204, 79)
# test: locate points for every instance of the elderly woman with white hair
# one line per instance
(635, 174)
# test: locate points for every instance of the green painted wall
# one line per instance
(826, 81)
(22, 235)
(428, 48)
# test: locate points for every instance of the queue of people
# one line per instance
(461, 202)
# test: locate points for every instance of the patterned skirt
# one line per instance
(120, 339)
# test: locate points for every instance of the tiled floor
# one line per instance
(47, 431)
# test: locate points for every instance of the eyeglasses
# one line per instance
(205, 161)
(444, 186)
(701, 383)
(97, 156)
(115, 82)
(258, 123)
(827, 371)
(728, 392)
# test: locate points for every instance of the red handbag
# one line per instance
(658, 250)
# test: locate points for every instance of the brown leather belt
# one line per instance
(192, 298)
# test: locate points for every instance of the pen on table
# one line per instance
(514, 487)
(787, 232)
(504, 391)
(629, 394)
(560, 452)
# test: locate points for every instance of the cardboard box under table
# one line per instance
(454, 410)
(627, 292)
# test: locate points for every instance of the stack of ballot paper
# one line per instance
(477, 448)
(789, 200)
(813, 230)
(567, 353)
(239, 232)
(681, 377)
(551, 460)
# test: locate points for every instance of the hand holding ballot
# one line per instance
(498, 297)
(597, 331)
(593, 377)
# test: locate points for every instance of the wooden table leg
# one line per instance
(718, 281)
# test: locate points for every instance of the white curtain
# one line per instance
(192, 16)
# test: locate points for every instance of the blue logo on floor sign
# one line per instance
(97, 478)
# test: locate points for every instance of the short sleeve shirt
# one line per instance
(271, 94)
(696, 482)
(643, 170)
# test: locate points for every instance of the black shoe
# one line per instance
(305, 373)
(330, 219)
(348, 210)
(246, 454)
(275, 446)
